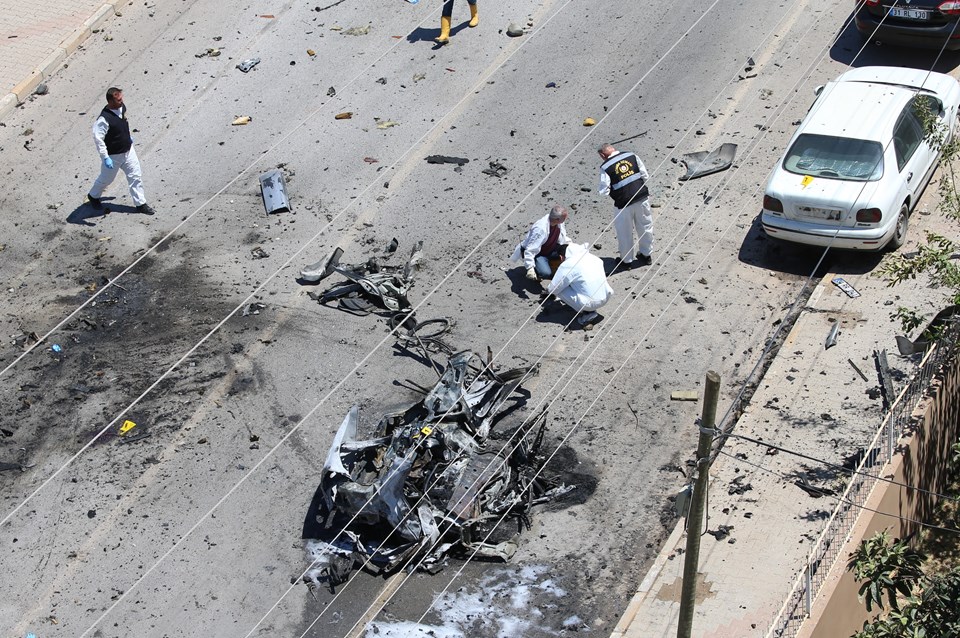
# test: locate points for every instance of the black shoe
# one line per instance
(643, 260)
(146, 209)
(95, 202)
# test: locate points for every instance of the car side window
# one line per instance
(907, 135)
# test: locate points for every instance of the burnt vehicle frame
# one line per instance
(431, 480)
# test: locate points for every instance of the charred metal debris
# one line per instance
(370, 286)
(429, 482)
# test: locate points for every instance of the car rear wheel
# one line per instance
(900, 233)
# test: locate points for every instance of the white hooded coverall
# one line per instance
(580, 281)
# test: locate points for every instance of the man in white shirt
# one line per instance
(111, 134)
(542, 243)
(581, 283)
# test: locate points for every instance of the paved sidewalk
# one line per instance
(761, 523)
(37, 36)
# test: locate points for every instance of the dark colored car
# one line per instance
(915, 23)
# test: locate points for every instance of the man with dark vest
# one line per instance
(624, 177)
(111, 134)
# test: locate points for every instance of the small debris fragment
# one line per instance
(356, 31)
(832, 336)
(496, 170)
(311, 53)
(551, 85)
(446, 159)
(246, 65)
(589, 121)
(252, 309)
(684, 395)
(331, 92)
(384, 124)
(370, 160)
(514, 31)
(42, 89)
(419, 76)
(209, 53)
(346, 115)
(240, 121)
(842, 284)
(259, 253)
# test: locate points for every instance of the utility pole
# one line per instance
(688, 593)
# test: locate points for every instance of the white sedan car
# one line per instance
(860, 159)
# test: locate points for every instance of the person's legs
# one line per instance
(474, 16)
(542, 267)
(445, 14)
(623, 224)
(643, 221)
(130, 164)
(106, 177)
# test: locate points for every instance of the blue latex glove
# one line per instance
(108, 162)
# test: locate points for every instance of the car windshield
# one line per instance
(835, 157)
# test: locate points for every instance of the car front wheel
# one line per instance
(900, 233)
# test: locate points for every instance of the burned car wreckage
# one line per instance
(432, 481)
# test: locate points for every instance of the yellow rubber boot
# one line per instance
(444, 30)
(474, 16)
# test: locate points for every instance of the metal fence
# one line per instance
(898, 420)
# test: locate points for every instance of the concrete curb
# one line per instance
(52, 63)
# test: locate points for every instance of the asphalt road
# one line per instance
(197, 529)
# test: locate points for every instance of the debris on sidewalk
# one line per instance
(842, 284)
(331, 92)
(209, 53)
(246, 65)
(259, 253)
(708, 162)
(831, 339)
(815, 492)
(346, 115)
(859, 371)
(384, 124)
(684, 395)
(908, 347)
(427, 483)
(322, 269)
(589, 121)
(886, 383)
(241, 120)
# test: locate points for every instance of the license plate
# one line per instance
(819, 213)
(910, 14)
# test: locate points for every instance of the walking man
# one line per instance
(581, 283)
(542, 244)
(624, 177)
(111, 134)
(447, 13)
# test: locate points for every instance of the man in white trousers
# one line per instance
(111, 134)
(581, 283)
(624, 177)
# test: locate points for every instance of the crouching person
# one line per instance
(581, 283)
(542, 244)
